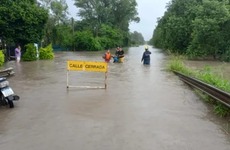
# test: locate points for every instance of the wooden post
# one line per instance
(67, 79)
(105, 79)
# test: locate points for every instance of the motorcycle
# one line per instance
(7, 95)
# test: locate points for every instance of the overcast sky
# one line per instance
(149, 11)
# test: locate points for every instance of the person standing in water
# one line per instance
(121, 55)
(146, 56)
(115, 57)
(18, 53)
(107, 56)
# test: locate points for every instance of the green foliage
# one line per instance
(85, 41)
(2, 57)
(111, 12)
(46, 53)
(26, 21)
(221, 110)
(206, 75)
(63, 36)
(177, 65)
(30, 54)
(207, 28)
(22, 21)
(137, 38)
(59, 10)
(111, 17)
(108, 21)
(195, 28)
(173, 31)
(58, 29)
(226, 56)
(110, 37)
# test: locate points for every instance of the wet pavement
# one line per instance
(143, 108)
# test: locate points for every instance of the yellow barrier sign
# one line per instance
(73, 65)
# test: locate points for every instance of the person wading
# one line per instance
(146, 56)
(121, 55)
(107, 57)
(18, 53)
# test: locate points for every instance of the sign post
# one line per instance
(74, 65)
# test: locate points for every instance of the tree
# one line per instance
(207, 37)
(110, 12)
(59, 11)
(57, 17)
(136, 38)
(110, 37)
(174, 28)
(22, 21)
(198, 28)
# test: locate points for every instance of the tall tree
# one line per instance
(136, 38)
(117, 13)
(58, 11)
(174, 28)
(197, 28)
(207, 37)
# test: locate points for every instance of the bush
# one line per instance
(46, 53)
(2, 58)
(226, 56)
(85, 41)
(110, 37)
(30, 54)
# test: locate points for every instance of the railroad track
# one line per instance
(215, 93)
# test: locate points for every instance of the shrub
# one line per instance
(30, 54)
(2, 58)
(226, 56)
(46, 53)
(85, 41)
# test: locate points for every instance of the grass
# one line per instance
(206, 75)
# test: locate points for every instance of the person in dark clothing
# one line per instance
(146, 56)
(121, 55)
(117, 51)
(115, 57)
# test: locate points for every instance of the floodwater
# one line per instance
(220, 68)
(143, 108)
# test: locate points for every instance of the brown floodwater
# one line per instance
(143, 108)
(220, 68)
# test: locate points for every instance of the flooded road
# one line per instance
(143, 108)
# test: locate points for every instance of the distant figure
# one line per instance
(18, 53)
(146, 56)
(107, 56)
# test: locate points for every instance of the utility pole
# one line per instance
(73, 33)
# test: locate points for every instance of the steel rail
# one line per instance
(215, 93)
